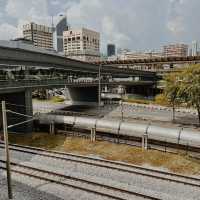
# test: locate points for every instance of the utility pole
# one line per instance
(99, 89)
(122, 110)
(5, 131)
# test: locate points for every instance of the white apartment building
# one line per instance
(175, 50)
(40, 35)
(82, 44)
(194, 48)
(136, 55)
(141, 55)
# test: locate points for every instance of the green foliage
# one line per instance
(161, 99)
(190, 86)
(184, 87)
(172, 90)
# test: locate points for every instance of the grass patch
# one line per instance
(125, 153)
(174, 163)
(42, 140)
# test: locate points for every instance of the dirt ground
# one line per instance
(175, 163)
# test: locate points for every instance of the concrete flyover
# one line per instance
(13, 53)
(151, 61)
(80, 92)
(24, 68)
(160, 65)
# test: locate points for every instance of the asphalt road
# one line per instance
(130, 113)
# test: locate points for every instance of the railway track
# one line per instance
(112, 165)
(76, 183)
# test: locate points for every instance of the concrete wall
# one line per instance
(83, 95)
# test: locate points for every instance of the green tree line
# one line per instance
(184, 88)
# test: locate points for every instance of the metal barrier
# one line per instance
(31, 83)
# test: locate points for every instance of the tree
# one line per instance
(190, 87)
(171, 90)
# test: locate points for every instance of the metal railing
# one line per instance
(32, 83)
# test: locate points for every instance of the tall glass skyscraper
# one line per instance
(60, 27)
(110, 50)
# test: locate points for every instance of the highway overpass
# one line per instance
(24, 68)
(15, 54)
(152, 61)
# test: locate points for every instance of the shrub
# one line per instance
(162, 100)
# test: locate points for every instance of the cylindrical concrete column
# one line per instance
(28, 109)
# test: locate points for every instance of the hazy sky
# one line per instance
(133, 24)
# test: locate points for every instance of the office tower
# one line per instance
(60, 28)
(40, 35)
(110, 50)
(82, 44)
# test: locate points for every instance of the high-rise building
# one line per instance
(60, 28)
(194, 48)
(110, 50)
(82, 44)
(175, 50)
(40, 35)
(123, 51)
(141, 55)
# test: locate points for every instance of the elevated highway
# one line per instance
(160, 66)
(152, 61)
(24, 68)
(13, 54)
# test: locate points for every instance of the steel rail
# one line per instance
(67, 177)
(118, 164)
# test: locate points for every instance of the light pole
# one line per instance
(121, 102)
(5, 131)
(99, 89)
(122, 109)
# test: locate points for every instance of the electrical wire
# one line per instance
(16, 113)
(42, 109)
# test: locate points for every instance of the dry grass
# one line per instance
(175, 163)
(43, 140)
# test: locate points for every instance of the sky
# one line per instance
(134, 24)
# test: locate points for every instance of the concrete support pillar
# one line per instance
(93, 135)
(52, 128)
(142, 142)
(47, 94)
(106, 89)
(145, 142)
(28, 109)
(84, 95)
